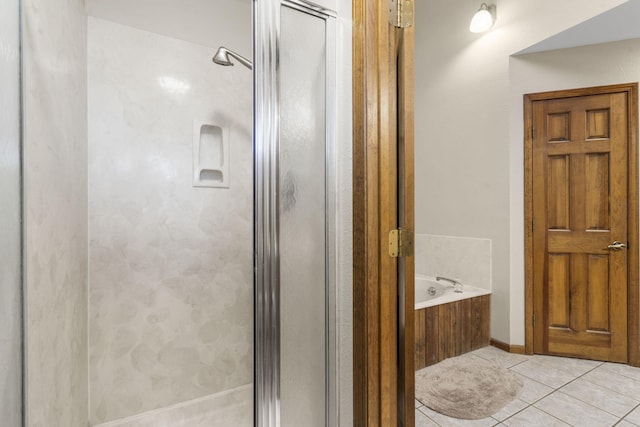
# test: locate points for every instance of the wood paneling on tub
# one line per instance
(451, 329)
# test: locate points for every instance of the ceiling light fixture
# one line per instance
(483, 19)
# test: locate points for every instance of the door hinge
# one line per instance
(401, 13)
(533, 133)
(533, 320)
(400, 243)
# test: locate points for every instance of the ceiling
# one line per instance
(619, 23)
(206, 22)
(228, 22)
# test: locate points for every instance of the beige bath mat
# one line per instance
(466, 387)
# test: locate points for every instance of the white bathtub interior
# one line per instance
(430, 292)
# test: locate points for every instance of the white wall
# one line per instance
(463, 159)
(55, 211)
(596, 65)
(10, 231)
(171, 272)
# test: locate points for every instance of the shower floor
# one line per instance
(228, 408)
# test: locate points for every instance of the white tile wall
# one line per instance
(462, 258)
(55, 211)
(171, 284)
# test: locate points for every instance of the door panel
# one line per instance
(579, 208)
(382, 201)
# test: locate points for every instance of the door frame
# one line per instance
(633, 291)
(383, 368)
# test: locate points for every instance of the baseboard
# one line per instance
(510, 348)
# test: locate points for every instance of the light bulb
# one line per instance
(482, 20)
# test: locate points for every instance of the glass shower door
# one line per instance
(303, 213)
(295, 214)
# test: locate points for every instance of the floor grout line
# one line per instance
(591, 404)
(514, 414)
(588, 404)
(559, 390)
(610, 389)
(627, 414)
(529, 405)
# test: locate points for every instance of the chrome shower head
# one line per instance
(222, 57)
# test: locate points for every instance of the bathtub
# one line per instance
(448, 323)
(429, 292)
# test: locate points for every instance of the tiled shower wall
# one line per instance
(55, 211)
(170, 277)
(463, 258)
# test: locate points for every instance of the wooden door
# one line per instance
(580, 208)
(382, 201)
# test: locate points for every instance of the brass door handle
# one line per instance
(616, 246)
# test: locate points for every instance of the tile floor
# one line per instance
(557, 391)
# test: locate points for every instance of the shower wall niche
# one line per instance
(210, 155)
(170, 277)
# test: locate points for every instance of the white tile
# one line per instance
(444, 420)
(532, 390)
(499, 357)
(625, 423)
(423, 421)
(472, 355)
(634, 417)
(625, 370)
(575, 366)
(574, 411)
(465, 258)
(544, 373)
(55, 210)
(600, 397)
(616, 382)
(511, 408)
(421, 254)
(533, 417)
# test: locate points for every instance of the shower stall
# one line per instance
(178, 241)
(170, 218)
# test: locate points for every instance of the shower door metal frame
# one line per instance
(266, 77)
(12, 165)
